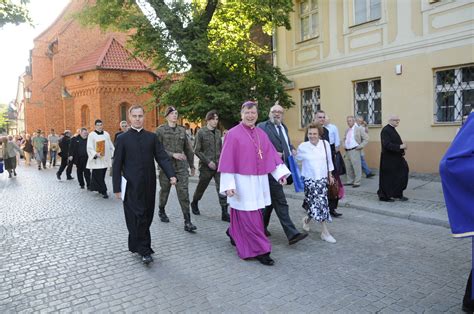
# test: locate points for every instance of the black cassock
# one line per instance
(393, 177)
(134, 158)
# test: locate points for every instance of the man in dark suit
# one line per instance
(278, 134)
(134, 161)
(64, 143)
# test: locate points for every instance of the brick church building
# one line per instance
(78, 74)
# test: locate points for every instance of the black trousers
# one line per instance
(467, 301)
(83, 172)
(65, 164)
(98, 180)
(280, 205)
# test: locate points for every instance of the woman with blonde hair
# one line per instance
(317, 165)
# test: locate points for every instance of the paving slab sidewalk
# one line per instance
(425, 205)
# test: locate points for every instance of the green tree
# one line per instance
(210, 43)
(3, 118)
(14, 12)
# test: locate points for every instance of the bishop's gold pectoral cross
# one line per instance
(260, 153)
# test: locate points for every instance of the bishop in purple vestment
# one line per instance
(247, 158)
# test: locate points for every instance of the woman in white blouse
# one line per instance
(316, 158)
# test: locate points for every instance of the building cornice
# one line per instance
(103, 90)
(366, 57)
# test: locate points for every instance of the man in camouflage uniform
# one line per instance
(178, 147)
(208, 146)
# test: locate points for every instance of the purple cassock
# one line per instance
(247, 158)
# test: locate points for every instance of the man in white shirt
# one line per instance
(355, 139)
(333, 133)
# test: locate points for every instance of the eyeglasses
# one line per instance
(277, 111)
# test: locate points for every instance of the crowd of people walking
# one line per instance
(249, 166)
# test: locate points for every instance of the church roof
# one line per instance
(111, 56)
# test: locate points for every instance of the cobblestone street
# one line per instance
(65, 249)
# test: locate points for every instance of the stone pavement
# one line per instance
(64, 250)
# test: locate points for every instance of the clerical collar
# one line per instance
(99, 132)
(138, 130)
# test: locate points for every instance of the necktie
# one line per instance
(286, 150)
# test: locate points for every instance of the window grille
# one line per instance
(310, 103)
(368, 100)
(309, 11)
(454, 93)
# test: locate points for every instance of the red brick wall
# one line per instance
(47, 108)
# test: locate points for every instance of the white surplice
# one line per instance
(252, 191)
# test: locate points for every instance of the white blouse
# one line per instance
(314, 159)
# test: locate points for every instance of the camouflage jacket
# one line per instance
(208, 146)
(175, 140)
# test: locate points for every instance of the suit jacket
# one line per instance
(272, 133)
(360, 136)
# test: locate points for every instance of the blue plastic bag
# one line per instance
(295, 173)
(1, 166)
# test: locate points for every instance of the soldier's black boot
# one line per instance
(195, 208)
(188, 225)
(163, 216)
(225, 214)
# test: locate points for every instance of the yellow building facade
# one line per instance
(376, 58)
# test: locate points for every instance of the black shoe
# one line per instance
(382, 199)
(403, 199)
(147, 259)
(265, 259)
(105, 195)
(57, 175)
(70, 178)
(9, 175)
(163, 216)
(370, 175)
(14, 173)
(189, 227)
(334, 213)
(267, 233)
(355, 186)
(195, 208)
(82, 187)
(225, 217)
(298, 237)
(231, 240)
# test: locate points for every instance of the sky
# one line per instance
(16, 42)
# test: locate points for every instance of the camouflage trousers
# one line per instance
(181, 189)
(205, 176)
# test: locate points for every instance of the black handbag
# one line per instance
(339, 164)
(333, 189)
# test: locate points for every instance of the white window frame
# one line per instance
(368, 17)
(310, 105)
(457, 87)
(309, 14)
(370, 96)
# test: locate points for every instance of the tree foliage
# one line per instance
(3, 118)
(14, 12)
(211, 43)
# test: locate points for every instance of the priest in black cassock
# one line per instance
(134, 157)
(393, 177)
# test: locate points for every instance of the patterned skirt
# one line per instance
(316, 200)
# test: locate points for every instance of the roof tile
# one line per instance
(111, 56)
